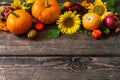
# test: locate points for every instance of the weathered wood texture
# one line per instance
(60, 68)
(20, 58)
(77, 44)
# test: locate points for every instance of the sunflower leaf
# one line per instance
(53, 33)
(83, 30)
(110, 5)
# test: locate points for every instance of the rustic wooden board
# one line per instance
(77, 44)
(59, 68)
(22, 59)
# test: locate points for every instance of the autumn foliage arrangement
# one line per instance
(97, 18)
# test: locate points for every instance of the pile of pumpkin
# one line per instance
(18, 20)
(18, 17)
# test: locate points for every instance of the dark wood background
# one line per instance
(75, 57)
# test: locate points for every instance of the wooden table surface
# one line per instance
(77, 44)
(74, 57)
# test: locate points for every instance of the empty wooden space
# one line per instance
(69, 57)
(77, 44)
(59, 68)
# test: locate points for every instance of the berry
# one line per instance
(39, 26)
(96, 34)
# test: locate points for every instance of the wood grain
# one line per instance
(77, 44)
(74, 57)
(59, 68)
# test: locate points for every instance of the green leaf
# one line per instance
(53, 33)
(83, 30)
(26, 7)
(104, 29)
(110, 5)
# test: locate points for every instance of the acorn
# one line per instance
(32, 34)
(117, 30)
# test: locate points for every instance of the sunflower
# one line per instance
(98, 7)
(69, 22)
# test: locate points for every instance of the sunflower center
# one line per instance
(68, 22)
(99, 10)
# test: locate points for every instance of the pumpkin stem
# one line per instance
(47, 4)
(13, 13)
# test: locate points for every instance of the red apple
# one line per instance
(111, 21)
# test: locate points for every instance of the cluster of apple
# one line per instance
(111, 21)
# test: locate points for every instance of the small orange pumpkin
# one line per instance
(19, 22)
(91, 21)
(46, 11)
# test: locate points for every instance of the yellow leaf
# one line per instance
(16, 4)
(29, 1)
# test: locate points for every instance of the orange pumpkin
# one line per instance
(91, 21)
(19, 22)
(46, 11)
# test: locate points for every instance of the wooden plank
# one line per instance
(59, 68)
(77, 44)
